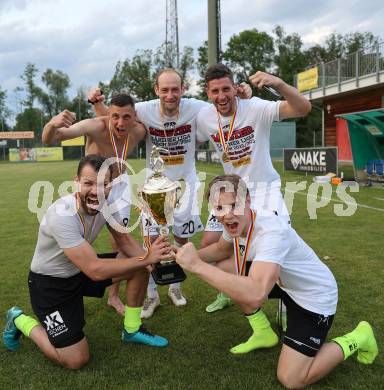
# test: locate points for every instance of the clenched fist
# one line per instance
(95, 95)
(262, 79)
(188, 257)
(64, 119)
(244, 91)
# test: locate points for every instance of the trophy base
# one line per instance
(168, 273)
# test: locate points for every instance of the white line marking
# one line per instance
(339, 201)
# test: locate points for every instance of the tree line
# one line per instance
(278, 53)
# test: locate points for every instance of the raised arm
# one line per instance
(61, 121)
(61, 127)
(96, 98)
(295, 105)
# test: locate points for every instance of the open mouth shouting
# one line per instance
(120, 132)
(231, 227)
(92, 204)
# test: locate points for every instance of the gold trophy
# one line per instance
(160, 197)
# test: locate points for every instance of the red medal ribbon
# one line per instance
(240, 261)
(124, 151)
(224, 143)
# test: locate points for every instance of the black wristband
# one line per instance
(93, 103)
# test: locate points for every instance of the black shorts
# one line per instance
(58, 303)
(306, 331)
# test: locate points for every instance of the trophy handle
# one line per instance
(178, 197)
(144, 205)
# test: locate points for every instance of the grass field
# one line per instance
(198, 355)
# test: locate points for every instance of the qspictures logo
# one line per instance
(318, 195)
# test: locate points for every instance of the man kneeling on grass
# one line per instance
(65, 268)
(272, 261)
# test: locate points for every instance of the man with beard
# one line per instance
(65, 268)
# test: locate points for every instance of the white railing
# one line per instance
(364, 62)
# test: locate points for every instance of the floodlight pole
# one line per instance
(214, 33)
(172, 34)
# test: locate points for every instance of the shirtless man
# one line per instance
(65, 268)
(113, 135)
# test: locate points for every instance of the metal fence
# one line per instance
(364, 62)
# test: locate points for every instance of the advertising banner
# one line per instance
(316, 160)
(17, 135)
(308, 80)
(22, 154)
(49, 154)
(79, 141)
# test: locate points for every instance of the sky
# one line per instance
(85, 38)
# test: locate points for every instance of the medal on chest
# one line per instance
(225, 142)
(241, 259)
(121, 159)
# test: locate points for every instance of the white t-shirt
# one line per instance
(176, 134)
(248, 148)
(60, 229)
(305, 278)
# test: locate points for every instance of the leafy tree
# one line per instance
(4, 110)
(289, 58)
(31, 89)
(339, 46)
(359, 41)
(249, 52)
(202, 59)
(79, 105)
(314, 55)
(28, 120)
(186, 61)
(55, 99)
(31, 119)
(136, 76)
(202, 66)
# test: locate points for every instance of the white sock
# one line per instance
(174, 286)
(152, 288)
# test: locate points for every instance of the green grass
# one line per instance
(198, 355)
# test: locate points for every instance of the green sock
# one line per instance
(132, 320)
(263, 335)
(25, 324)
(361, 339)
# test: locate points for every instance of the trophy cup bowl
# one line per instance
(160, 197)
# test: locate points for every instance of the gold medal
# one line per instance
(225, 142)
